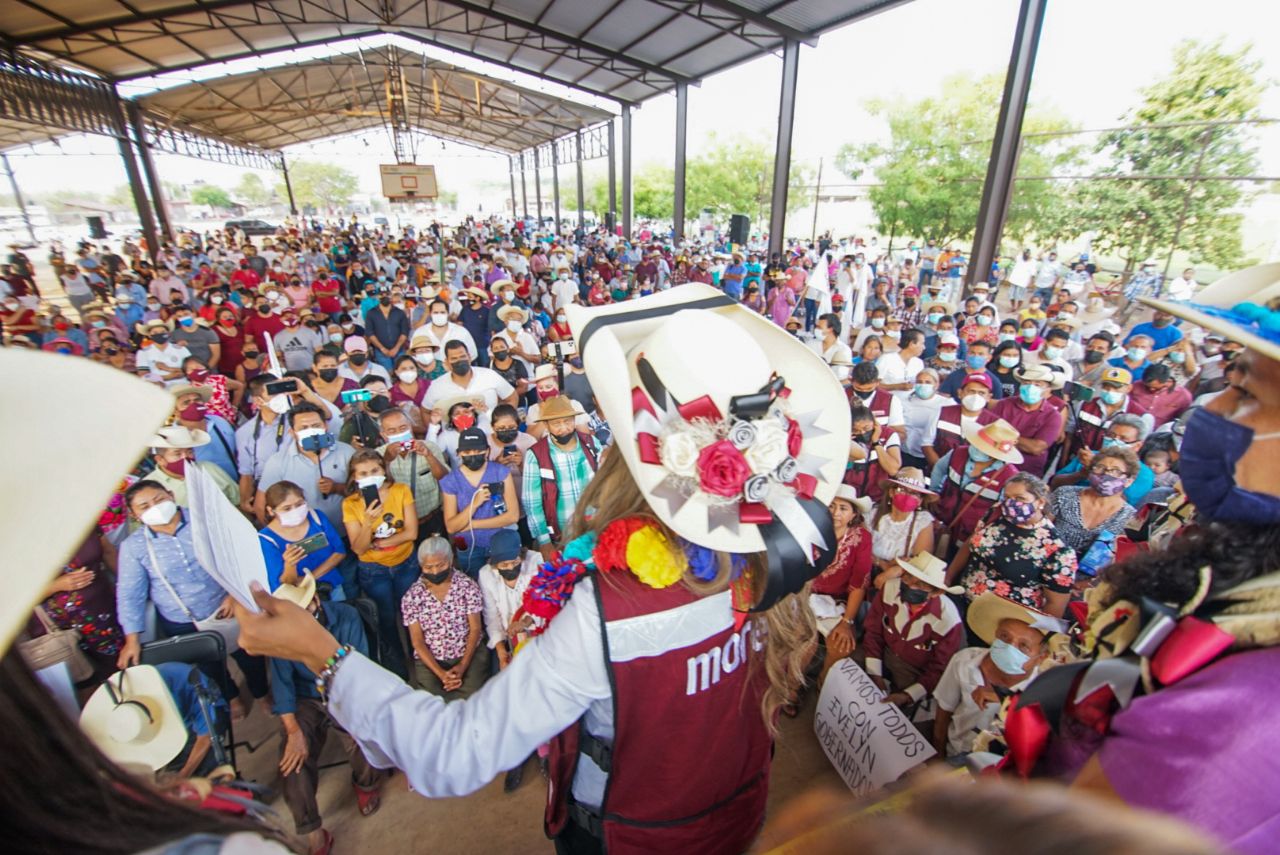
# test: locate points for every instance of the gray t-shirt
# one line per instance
(578, 387)
(197, 340)
(298, 346)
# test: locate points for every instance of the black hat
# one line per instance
(473, 439)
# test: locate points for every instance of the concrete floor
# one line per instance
(487, 821)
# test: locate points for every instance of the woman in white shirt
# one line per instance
(901, 524)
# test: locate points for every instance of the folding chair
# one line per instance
(198, 648)
(369, 617)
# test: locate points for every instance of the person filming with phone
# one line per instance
(298, 540)
(315, 461)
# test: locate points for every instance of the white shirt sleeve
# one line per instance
(947, 692)
(895, 413)
(456, 748)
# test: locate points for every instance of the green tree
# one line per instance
(1140, 218)
(214, 197)
(930, 172)
(320, 185)
(252, 190)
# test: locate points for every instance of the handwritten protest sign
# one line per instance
(871, 743)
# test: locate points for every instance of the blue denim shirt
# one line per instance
(292, 680)
(136, 579)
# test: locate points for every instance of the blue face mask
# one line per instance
(925, 391)
(1112, 442)
(984, 320)
(976, 361)
(1178, 357)
(934, 317)
(1211, 448)
(976, 456)
(947, 355)
(1111, 397)
(1009, 361)
(1008, 658)
(1030, 394)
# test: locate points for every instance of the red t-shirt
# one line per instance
(257, 326)
(850, 569)
(326, 292)
(245, 277)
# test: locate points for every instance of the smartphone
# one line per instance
(406, 447)
(283, 387)
(1078, 391)
(510, 449)
(354, 396)
(370, 494)
(566, 347)
(313, 544)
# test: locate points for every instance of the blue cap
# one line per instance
(505, 546)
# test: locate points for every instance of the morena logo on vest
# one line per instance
(705, 669)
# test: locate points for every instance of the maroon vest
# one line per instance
(550, 487)
(688, 765)
(949, 435)
(987, 486)
(1091, 424)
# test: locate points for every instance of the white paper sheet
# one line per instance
(226, 543)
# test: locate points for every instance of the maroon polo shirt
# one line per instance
(1044, 423)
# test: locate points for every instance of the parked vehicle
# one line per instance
(252, 228)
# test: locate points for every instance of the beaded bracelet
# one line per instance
(325, 679)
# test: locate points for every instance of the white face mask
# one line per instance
(508, 296)
(514, 326)
(893, 334)
(439, 320)
(159, 514)
(279, 404)
(371, 481)
(293, 517)
(564, 275)
(427, 359)
(973, 402)
(407, 376)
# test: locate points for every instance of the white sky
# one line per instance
(1094, 57)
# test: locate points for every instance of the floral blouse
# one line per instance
(1019, 564)
(444, 624)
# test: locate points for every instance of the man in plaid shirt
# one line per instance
(908, 310)
(557, 469)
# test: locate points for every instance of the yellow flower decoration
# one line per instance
(653, 560)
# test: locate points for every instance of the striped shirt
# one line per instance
(137, 579)
(572, 474)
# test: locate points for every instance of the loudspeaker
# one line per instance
(96, 229)
(739, 228)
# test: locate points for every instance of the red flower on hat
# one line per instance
(722, 470)
(610, 552)
(794, 437)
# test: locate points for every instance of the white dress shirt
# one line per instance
(502, 601)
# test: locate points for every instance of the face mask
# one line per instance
(187, 323)
(461, 367)
(547, 394)
(348, 327)
(864, 438)
(264, 310)
(976, 456)
(1111, 397)
(506, 437)
(913, 596)
(193, 412)
(925, 391)
(893, 335)
(1008, 361)
(425, 359)
(1211, 448)
(439, 319)
(976, 361)
(1112, 442)
(217, 299)
(358, 358)
(159, 338)
(563, 439)
(1030, 394)
(1209, 349)
(1136, 354)
(973, 402)
(507, 296)
(279, 404)
(511, 574)
(877, 323)
(474, 462)
(947, 356)
(462, 421)
(1029, 334)
(384, 301)
(934, 317)
(560, 318)
(403, 436)
(155, 307)
(1178, 357)
(1107, 485)
(1008, 658)
(905, 502)
(514, 326)
(379, 403)
(160, 513)
(175, 467)
(984, 320)
(374, 481)
(293, 517)
(438, 578)
(1018, 511)
(1051, 351)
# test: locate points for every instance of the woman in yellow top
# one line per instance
(382, 534)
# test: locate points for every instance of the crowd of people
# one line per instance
(406, 418)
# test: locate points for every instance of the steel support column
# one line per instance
(782, 149)
(611, 218)
(580, 199)
(145, 218)
(626, 172)
(134, 112)
(17, 198)
(511, 173)
(1003, 165)
(682, 133)
(555, 184)
(524, 189)
(288, 186)
(537, 187)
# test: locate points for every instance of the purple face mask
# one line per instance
(1018, 511)
(1107, 485)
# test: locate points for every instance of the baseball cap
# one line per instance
(948, 338)
(355, 343)
(473, 439)
(505, 546)
(1116, 374)
(980, 379)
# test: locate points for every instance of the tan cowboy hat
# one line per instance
(945, 308)
(474, 292)
(506, 313)
(987, 610)
(499, 284)
(1072, 323)
(846, 493)
(132, 718)
(62, 465)
(300, 594)
(1243, 306)
(546, 371)
(668, 366)
(182, 391)
(422, 338)
(146, 327)
(931, 570)
(999, 439)
(96, 310)
(179, 436)
(559, 407)
(913, 479)
(1037, 372)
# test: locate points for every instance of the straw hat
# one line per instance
(132, 718)
(179, 436)
(508, 313)
(499, 284)
(1243, 306)
(559, 407)
(913, 479)
(145, 327)
(545, 371)
(734, 431)
(449, 403)
(999, 439)
(474, 292)
(846, 493)
(931, 570)
(987, 610)
(1037, 373)
(300, 594)
(204, 392)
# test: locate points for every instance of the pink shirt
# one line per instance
(443, 624)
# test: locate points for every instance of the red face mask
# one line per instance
(462, 421)
(61, 326)
(176, 467)
(199, 375)
(545, 394)
(905, 502)
(193, 412)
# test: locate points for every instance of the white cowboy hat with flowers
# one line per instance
(735, 432)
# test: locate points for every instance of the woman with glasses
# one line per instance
(1082, 514)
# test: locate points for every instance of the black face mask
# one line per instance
(506, 437)
(564, 440)
(358, 358)
(461, 368)
(328, 375)
(437, 578)
(909, 302)
(159, 338)
(500, 355)
(474, 462)
(913, 596)
(264, 310)
(1093, 357)
(378, 404)
(251, 354)
(865, 437)
(110, 351)
(385, 301)
(510, 575)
